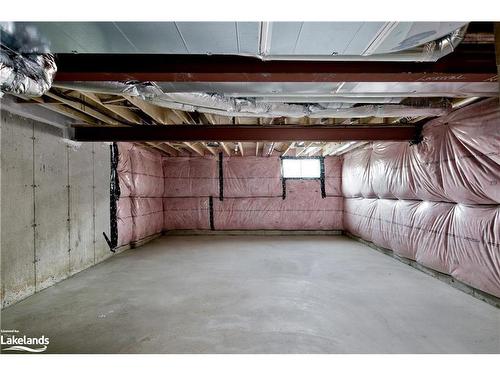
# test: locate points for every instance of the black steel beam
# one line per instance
(193, 133)
(468, 63)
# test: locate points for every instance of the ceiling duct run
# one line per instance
(248, 107)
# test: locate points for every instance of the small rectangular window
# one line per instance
(301, 168)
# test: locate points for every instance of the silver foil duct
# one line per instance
(26, 67)
(248, 107)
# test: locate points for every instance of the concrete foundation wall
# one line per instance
(54, 206)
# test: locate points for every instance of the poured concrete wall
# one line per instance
(54, 206)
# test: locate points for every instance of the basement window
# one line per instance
(301, 168)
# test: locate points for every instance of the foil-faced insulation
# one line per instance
(250, 107)
(26, 67)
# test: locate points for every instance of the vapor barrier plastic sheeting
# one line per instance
(459, 240)
(140, 172)
(161, 193)
(458, 161)
(436, 202)
(186, 213)
(140, 206)
(124, 221)
(333, 176)
(190, 177)
(302, 209)
(252, 176)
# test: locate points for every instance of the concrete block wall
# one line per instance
(54, 206)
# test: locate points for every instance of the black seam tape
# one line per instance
(211, 212)
(114, 191)
(322, 176)
(221, 178)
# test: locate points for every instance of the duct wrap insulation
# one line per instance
(26, 74)
(436, 202)
(160, 193)
(26, 66)
(249, 107)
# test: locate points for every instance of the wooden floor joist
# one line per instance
(304, 149)
(195, 148)
(65, 110)
(212, 150)
(157, 147)
(225, 148)
(158, 114)
(287, 149)
(84, 108)
(92, 100)
(169, 148)
(118, 110)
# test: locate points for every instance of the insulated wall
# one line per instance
(160, 193)
(302, 209)
(140, 204)
(189, 184)
(436, 202)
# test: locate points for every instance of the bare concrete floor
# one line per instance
(256, 294)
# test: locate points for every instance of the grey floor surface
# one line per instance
(256, 294)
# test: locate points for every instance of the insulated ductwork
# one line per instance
(248, 107)
(25, 66)
(29, 75)
(233, 107)
(317, 111)
(383, 110)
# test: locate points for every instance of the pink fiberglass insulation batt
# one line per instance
(125, 221)
(161, 193)
(333, 176)
(435, 202)
(252, 176)
(140, 206)
(186, 213)
(190, 177)
(302, 209)
(458, 161)
(460, 240)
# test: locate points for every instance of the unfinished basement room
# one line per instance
(250, 187)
